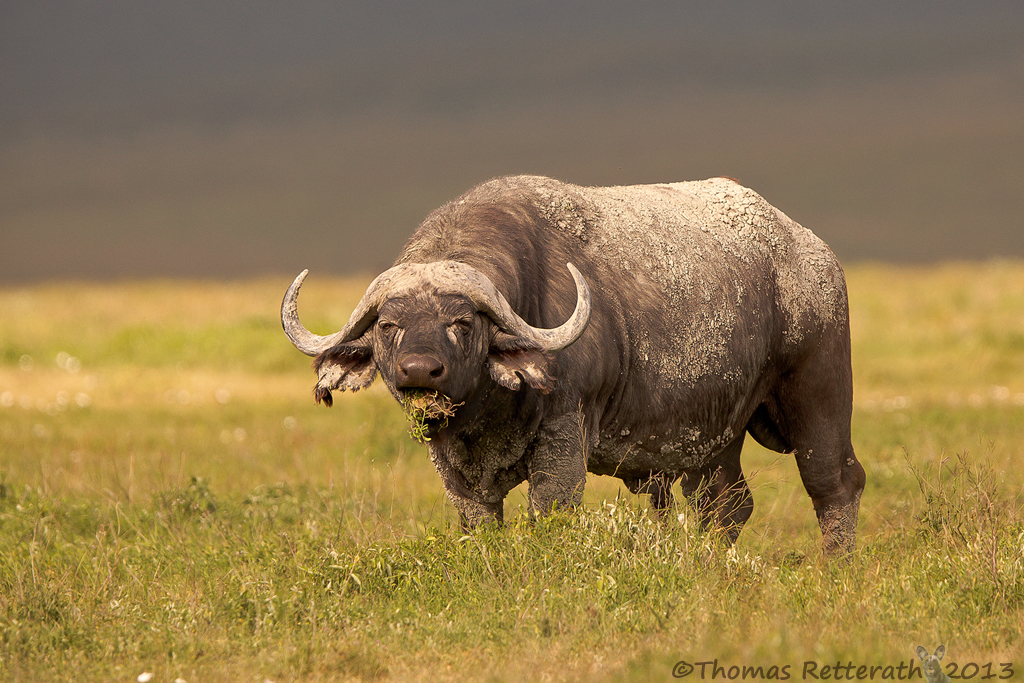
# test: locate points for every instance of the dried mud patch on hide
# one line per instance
(421, 406)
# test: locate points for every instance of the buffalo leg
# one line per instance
(659, 486)
(557, 465)
(720, 493)
(472, 513)
(836, 500)
(661, 494)
(812, 410)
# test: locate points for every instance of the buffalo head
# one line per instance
(441, 327)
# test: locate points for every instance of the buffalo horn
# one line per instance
(361, 318)
(489, 300)
(442, 277)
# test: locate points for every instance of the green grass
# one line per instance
(172, 501)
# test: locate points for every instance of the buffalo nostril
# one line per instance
(421, 371)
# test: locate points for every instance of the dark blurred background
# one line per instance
(234, 138)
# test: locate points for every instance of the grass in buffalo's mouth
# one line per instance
(421, 406)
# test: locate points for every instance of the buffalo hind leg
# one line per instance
(811, 410)
(720, 493)
(659, 486)
(835, 492)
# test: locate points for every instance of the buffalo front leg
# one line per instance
(472, 510)
(557, 465)
(473, 513)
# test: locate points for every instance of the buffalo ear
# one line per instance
(513, 360)
(345, 366)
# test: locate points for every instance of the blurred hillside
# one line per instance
(236, 138)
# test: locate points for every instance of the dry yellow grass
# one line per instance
(164, 466)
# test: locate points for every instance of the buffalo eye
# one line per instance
(388, 329)
(459, 330)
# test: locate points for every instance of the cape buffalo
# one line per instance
(638, 332)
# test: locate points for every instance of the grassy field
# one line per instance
(172, 503)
